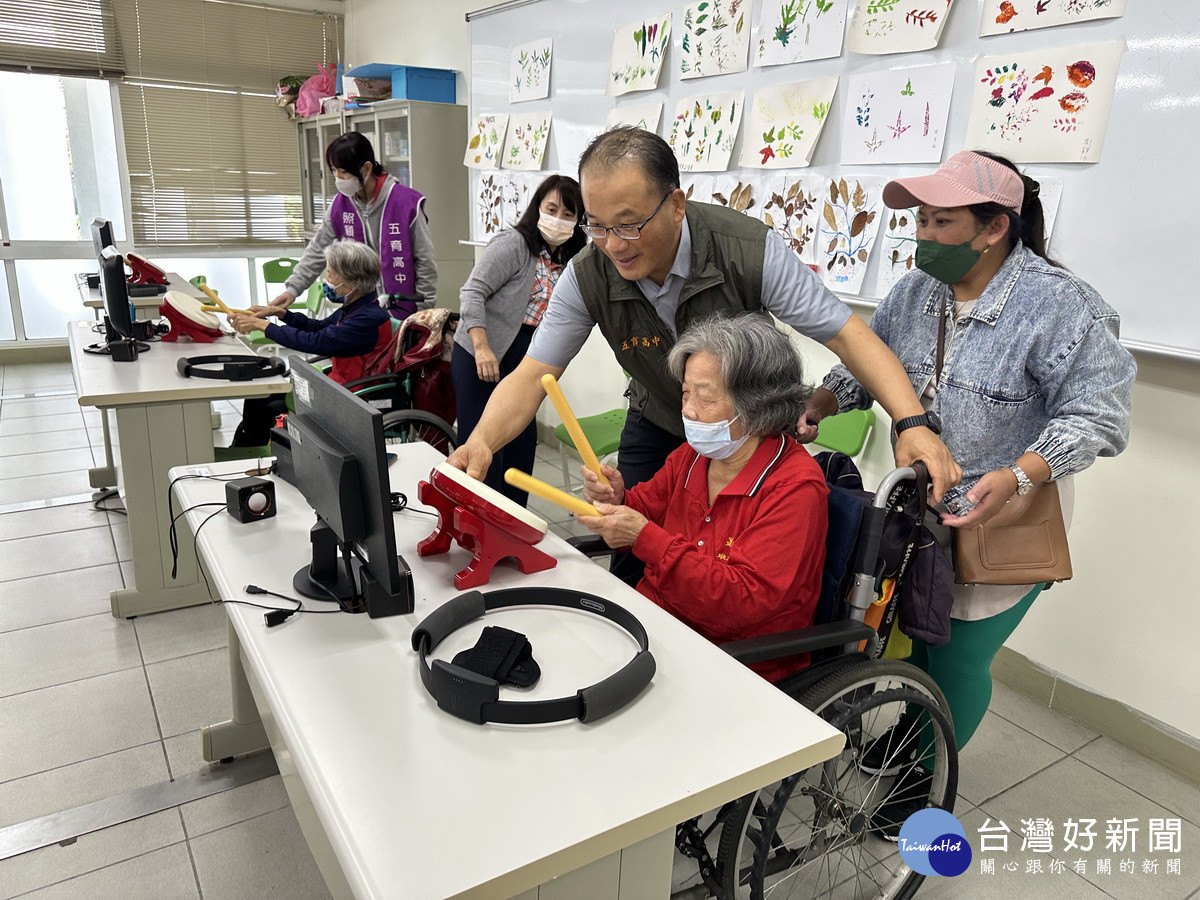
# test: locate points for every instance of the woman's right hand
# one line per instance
(284, 300)
(594, 491)
(487, 367)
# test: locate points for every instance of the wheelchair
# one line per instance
(821, 832)
(416, 388)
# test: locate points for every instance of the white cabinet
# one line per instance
(421, 145)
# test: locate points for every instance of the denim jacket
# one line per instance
(1036, 365)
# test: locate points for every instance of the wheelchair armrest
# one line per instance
(801, 640)
(383, 378)
(590, 545)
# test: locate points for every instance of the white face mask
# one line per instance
(555, 230)
(712, 439)
(348, 186)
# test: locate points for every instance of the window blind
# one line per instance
(60, 37)
(212, 160)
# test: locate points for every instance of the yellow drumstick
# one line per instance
(539, 488)
(218, 305)
(209, 307)
(554, 392)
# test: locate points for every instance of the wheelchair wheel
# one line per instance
(818, 833)
(406, 426)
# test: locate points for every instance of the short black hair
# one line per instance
(627, 143)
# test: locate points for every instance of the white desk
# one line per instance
(146, 307)
(163, 420)
(400, 799)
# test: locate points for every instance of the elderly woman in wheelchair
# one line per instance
(733, 534)
(710, 526)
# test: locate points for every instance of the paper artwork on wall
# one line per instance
(791, 206)
(1044, 105)
(525, 143)
(704, 129)
(500, 200)
(639, 115)
(784, 123)
(736, 192)
(851, 212)
(1004, 16)
(898, 248)
(896, 26)
(1050, 193)
(792, 31)
(897, 116)
(530, 70)
(716, 37)
(698, 188)
(638, 51)
(485, 141)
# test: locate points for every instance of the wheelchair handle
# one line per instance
(863, 590)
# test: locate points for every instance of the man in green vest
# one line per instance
(657, 263)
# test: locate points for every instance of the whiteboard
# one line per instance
(1126, 224)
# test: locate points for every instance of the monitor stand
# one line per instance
(120, 348)
(325, 578)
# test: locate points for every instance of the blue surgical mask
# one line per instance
(712, 439)
(331, 293)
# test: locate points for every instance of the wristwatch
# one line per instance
(930, 420)
(1024, 485)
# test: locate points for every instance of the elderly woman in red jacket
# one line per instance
(732, 528)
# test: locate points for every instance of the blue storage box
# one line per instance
(411, 82)
(414, 83)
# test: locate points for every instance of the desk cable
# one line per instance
(275, 615)
(400, 504)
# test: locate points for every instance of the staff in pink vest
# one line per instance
(372, 207)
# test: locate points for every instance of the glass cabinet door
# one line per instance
(312, 176)
(393, 152)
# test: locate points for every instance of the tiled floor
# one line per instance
(92, 706)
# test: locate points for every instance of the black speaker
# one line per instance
(250, 499)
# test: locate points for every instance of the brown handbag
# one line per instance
(1024, 543)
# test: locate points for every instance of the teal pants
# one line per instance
(962, 666)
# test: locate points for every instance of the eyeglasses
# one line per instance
(624, 232)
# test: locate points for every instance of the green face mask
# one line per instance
(948, 263)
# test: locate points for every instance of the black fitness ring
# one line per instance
(476, 698)
(232, 368)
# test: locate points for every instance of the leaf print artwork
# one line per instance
(1005, 16)
(704, 129)
(485, 141)
(890, 26)
(530, 71)
(638, 51)
(784, 123)
(525, 143)
(791, 31)
(898, 249)
(1048, 105)
(847, 231)
(789, 207)
(900, 116)
(716, 37)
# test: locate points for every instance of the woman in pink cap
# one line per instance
(1017, 362)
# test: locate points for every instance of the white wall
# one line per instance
(1116, 627)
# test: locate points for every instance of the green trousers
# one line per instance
(962, 666)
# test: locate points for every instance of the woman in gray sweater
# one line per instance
(503, 302)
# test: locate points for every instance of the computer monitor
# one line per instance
(339, 462)
(120, 330)
(102, 234)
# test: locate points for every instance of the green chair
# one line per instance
(603, 433)
(846, 432)
(276, 272)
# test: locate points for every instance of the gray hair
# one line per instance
(627, 144)
(357, 264)
(762, 371)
